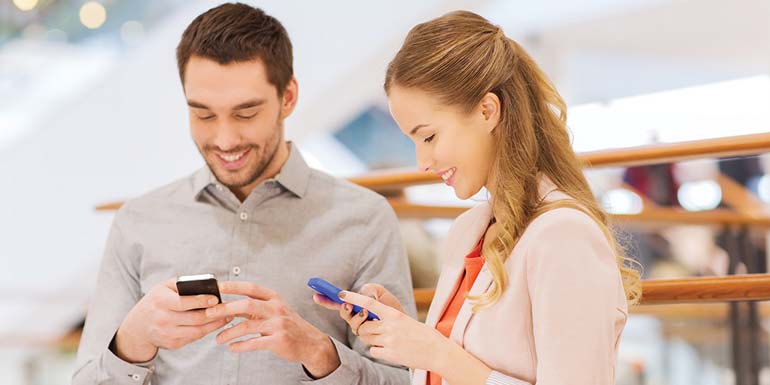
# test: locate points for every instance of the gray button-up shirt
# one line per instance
(301, 224)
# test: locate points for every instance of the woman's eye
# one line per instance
(429, 139)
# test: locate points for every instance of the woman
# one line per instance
(534, 289)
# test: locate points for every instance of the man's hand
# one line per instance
(274, 327)
(164, 319)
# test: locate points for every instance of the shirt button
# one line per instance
(237, 270)
(219, 187)
(244, 216)
(136, 377)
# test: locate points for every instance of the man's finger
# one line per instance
(246, 288)
(252, 344)
(242, 329)
(171, 284)
(194, 333)
(191, 318)
(247, 308)
(193, 302)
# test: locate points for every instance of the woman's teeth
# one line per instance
(445, 176)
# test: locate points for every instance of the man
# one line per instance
(259, 219)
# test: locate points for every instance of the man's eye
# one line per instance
(205, 117)
(246, 117)
(429, 139)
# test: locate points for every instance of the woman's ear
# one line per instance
(490, 111)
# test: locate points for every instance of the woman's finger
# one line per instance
(356, 320)
(325, 302)
(382, 353)
(370, 328)
(380, 293)
(368, 303)
(378, 340)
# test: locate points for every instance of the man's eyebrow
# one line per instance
(194, 104)
(244, 105)
(417, 127)
(250, 104)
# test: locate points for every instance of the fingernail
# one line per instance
(361, 313)
(341, 294)
(213, 301)
(346, 307)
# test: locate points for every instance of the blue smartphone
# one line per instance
(330, 291)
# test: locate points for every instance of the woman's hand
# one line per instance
(373, 290)
(396, 337)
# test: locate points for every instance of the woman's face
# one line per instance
(449, 142)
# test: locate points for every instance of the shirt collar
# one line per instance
(294, 175)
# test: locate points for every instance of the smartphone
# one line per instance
(330, 291)
(198, 284)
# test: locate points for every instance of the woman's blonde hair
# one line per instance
(459, 58)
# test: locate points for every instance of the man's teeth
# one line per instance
(445, 176)
(232, 158)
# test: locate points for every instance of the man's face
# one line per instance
(236, 117)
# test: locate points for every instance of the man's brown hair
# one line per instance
(236, 33)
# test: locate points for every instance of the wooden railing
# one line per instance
(624, 157)
(747, 287)
(388, 181)
(659, 215)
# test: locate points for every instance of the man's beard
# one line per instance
(249, 173)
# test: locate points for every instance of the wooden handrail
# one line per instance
(679, 216)
(394, 180)
(656, 294)
(622, 157)
(658, 215)
(741, 145)
(745, 287)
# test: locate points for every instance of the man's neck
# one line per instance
(272, 169)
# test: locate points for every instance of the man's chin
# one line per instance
(231, 179)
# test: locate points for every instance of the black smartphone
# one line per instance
(198, 284)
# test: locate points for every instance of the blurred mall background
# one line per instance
(91, 112)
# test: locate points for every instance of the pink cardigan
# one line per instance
(559, 320)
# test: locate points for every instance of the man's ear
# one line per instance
(289, 99)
